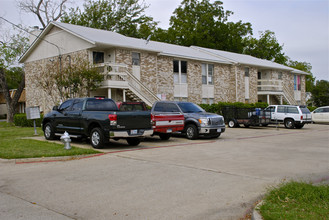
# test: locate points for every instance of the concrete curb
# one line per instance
(48, 159)
(256, 214)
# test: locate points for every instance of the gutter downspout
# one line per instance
(236, 83)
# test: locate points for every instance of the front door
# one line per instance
(136, 65)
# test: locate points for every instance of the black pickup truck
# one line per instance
(97, 119)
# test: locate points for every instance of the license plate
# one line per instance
(132, 132)
(169, 130)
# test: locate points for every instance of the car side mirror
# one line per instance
(55, 108)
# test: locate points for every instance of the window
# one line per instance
(281, 109)
(101, 105)
(136, 59)
(77, 106)
(246, 71)
(166, 107)
(180, 71)
(293, 110)
(297, 84)
(98, 57)
(66, 105)
(207, 74)
(280, 76)
(259, 74)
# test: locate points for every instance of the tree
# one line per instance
(45, 10)
(266, 47)
(204, 24)
(306, 67)
(10, 77)
(61, 80)
(126, 17)
(320, 93)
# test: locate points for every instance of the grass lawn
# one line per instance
(12, 146)
(296, 200)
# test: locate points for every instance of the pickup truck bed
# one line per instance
(164, 123)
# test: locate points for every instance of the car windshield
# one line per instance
(188, 107)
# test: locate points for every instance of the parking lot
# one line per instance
(176, 179)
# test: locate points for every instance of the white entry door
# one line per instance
(136, 60)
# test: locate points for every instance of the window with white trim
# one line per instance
(180, 71)
(98, 57)
(136, 58)
(207, 74)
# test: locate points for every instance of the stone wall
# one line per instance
(41, 89)
(165, 77)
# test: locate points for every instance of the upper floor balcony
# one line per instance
(115, 75)
(269, 86)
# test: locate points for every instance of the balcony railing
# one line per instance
(118, 74)
(270, 85)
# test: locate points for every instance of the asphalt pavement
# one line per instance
(177, 179)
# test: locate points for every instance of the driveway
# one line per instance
(176, 179)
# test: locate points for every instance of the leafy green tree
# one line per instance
(306, 67)
(204, 24)
(266, 47)
(320, 93)
(12, 77)
(63, 80)
(126, 17)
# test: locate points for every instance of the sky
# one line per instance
(301, 26)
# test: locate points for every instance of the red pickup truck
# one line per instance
(164, 123)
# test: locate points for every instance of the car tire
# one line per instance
(232, 123)
(289, 123)
(164, 136)
(299, 126)
(49, 132)
(191, 132)
(97, 138)
(133, 141)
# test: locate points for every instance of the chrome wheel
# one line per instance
(95, 138)
(191, 132)
(47, 131)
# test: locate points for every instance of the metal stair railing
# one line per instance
(287, 95)
(137, 87)
(120, 72)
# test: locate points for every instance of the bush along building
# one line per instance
(137, 69)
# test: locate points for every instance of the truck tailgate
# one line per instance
(168, 119)
(134, 120)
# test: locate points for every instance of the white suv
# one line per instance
(292, 116)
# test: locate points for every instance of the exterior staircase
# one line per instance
(118, 76)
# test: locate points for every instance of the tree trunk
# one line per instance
(11, 102)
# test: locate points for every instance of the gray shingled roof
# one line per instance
(245, 59)
(102, 37)
(97, 36)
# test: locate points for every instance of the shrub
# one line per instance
(20, 120)
(217, 107)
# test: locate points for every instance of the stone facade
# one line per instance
(156, 73)
(40, 89)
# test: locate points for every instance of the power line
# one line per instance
(37, 36)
